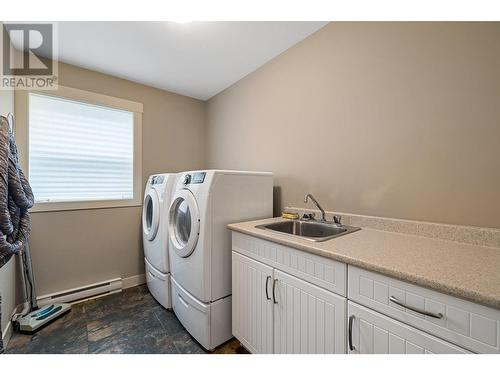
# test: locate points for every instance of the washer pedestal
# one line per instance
(209, 324)
(158, 285)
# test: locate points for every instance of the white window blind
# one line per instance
(79, 152)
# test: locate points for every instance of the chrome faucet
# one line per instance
(306, 198)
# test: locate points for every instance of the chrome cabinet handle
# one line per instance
(267, 293)
(274, 291)
(351, 347)
(415, 309)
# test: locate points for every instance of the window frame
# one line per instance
(22, 130)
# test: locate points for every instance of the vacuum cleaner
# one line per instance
(16, 198)
(34, 318)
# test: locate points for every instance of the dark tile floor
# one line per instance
(127, 322)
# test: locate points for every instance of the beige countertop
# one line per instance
(462, 270)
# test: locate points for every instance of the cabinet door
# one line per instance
(307, 319)
(374, 333)
(252, 305)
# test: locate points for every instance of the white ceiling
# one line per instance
(197, 59)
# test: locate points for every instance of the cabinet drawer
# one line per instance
(374, 333)
(323, 272)
(462, 322)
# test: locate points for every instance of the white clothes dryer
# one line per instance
(203, 203)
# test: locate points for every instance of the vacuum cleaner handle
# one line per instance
(31, 277)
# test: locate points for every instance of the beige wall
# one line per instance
(10, 290)
(74, 248)
(388, 119)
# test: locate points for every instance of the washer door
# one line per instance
(150, 215)
(184, 223)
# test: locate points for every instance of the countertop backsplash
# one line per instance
(457, 233)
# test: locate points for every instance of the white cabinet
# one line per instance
(274, 312)
(287, 300)
(307, 319)
(464, 323)
(252, 307)
(372, 333)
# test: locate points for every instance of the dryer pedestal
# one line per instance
(209, 324)
(158, 285)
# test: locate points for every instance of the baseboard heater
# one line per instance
(82, 293)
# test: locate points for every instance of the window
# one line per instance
(82, 154)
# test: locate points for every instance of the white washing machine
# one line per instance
(203, 203)
(155, 227)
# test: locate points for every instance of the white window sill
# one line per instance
(85, 205)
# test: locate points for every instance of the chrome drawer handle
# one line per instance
(351, 346)
(417, 310)
(267, 282)
(274, 291)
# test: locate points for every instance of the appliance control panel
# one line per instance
(195, 178)
(157, 180)
(198, 178)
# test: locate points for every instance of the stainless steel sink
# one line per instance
(310, 230)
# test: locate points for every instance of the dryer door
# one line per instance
(150, 215)
(184, 223)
